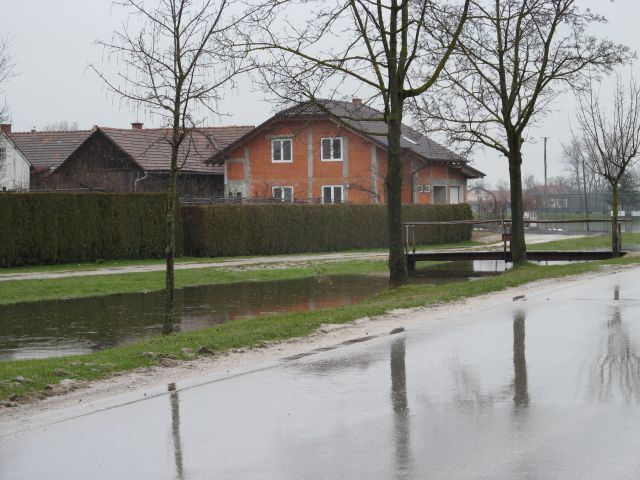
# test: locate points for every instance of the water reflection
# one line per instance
(520, 384)
(401, 426)
(616, 372)
(175, 431)
(64, 327)
(471, 396)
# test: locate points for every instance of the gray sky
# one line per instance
(53, 42)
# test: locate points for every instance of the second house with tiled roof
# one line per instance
(335, 151)
(126, 160)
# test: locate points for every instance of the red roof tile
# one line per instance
(48, 149)
(150, 147)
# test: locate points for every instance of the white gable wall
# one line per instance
(14, 168)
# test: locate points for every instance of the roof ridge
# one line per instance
(169, 128)
(50, 132)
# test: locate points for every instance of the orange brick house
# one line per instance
(334, 151)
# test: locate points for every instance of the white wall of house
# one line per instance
(14, 167)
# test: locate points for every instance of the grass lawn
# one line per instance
(597, 242)
(74, 267)
(257, 331)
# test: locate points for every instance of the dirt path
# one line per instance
(279, 261)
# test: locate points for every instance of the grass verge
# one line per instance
(598, 242)
(77, 267)
(257, 331)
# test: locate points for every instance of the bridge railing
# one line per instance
(504, 224)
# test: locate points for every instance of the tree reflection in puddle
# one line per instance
(615, 373)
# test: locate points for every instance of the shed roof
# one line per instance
(48, 149)
(151, 149)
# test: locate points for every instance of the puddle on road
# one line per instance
(74, 326)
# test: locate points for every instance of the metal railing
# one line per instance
(505, 224)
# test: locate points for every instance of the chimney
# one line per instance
(357, 101)
(136, 125)
(5, 128)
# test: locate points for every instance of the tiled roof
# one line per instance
(48, 149)
(369, 123)
(150, 147)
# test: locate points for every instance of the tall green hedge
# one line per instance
(229, 230)
(45, 228)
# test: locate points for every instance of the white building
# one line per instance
(14, 167)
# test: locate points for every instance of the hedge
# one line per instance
(231, 230)
(46, 228)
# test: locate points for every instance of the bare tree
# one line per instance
(611, 139)
(372, 48)
(7, 70)
(511, 62)
(61, 126)
(576, 165)
(174, 66)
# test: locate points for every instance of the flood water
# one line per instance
(82, 325)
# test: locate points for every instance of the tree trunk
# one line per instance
(615, 239)
(397, 265)
(518, 245)
(171, 235)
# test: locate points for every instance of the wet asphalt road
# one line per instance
(547, 387)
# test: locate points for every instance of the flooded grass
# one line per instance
(257, 331)
(100, 285)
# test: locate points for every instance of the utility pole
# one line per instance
(544, 200)
(584, 187)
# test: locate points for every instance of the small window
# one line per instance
(283, 194)
(331, 149)
(235, 191)
(454, 195)
(3, 153)
(332, 194)
(281, 150)
(419, 188)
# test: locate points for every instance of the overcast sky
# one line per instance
(53, 42)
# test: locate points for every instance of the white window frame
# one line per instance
(281, 141)
(332, 139)
(3, 153)
(282, 187)
(453, 188)
(333, 187)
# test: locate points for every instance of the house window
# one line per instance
(332, 194)
(3, 154)
(331, 149)
(454, 195)
(281, 150)
(283, 194)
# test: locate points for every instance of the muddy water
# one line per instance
(65, 327)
